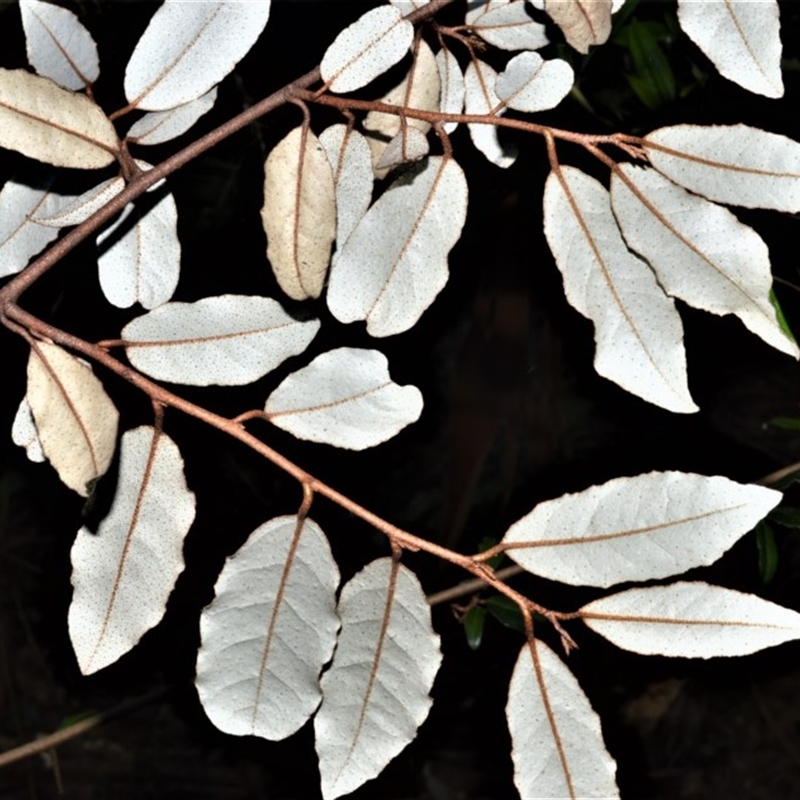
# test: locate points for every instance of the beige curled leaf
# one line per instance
(742, 39)
(269, 631)
(641, 528)
(733, 164)
(189, 47)
(80, 208)
(123, 575)
(43, 121)
(691, 620)
(583, 22)
(58, 45)
(557, 743)
(376, 693)
(374, 43)
(420, 89)
(638, 332)
(699, 251)
(75, 418)
(344, 398)
(299, 213)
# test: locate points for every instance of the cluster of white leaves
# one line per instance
(277, 647)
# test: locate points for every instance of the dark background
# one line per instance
(514, 414)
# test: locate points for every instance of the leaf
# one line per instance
(506, 25)
(375, 694)
(408, 146)
(583, 22)
(700, 252)
(691, 620)
(345, 398)
(636, 529)
(142, 261)
(269, 631)
(395, 262)
(162, 126)
(21, 237)
(480, 98)
(638, 333)
(58, 45)
(452, 86)
(48, 123)
(374, 43)
(78, 209)
(123, 574)
(767, 550)
(350, 160)
(557, 744)
(786, 516)
(473, 626)
(407, 6)
(230, 340)
(506, 612)
(24, 433)
(299, 213)
(190, 47)
(75, 418)
(741, 38)
(420, 89)
(733, 164)
(529, 83)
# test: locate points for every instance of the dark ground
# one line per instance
(505, 368)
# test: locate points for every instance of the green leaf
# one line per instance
(473, 626)
(787, 423)
(773, 298)
(654, 81)
(787, 517)
(485, 544)
(506, 612)
(767, 551)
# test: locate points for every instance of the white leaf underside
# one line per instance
(374, 43)
(506, 25)
(420, 89)
(584, 23)
(140, 255)
(188, 47)
(230, 340)
(123, 575)
(43, 121)
(345, 398)
(269, 631)
(691, 620)
(531, 84)
(299, 213)
(21, 235)
(58, 45)
(394, 264)
(480, 98)
(557, 744)
(650, 526)
(733, 164)
(24, 433)
(699, 251)
(451, 79)
(638, 332)
(742, 39)
(375, 694)
(408, 146)
(351, 162)
(80, 208)
(156, 127)
(75, 418)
